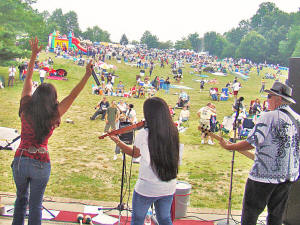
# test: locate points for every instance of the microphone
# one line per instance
(95, 77)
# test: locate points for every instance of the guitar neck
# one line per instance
(246, 153)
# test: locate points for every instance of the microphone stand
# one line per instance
(121, 206)
(235, 127)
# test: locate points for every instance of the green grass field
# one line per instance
(82, 165)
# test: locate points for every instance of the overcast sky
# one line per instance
(167, 19)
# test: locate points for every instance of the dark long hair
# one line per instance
(41, 111)
(163, 139)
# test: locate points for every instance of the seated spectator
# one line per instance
(102, 107)
(120, 89)
(223, 96)
(97, 90)
(133, 91)
(141, 92)
(184, 114)
(108, 90)
(214, 94)
(183, 99)
(172, 111)
(151, 92)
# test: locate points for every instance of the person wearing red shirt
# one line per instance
(40, 114)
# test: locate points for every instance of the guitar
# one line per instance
(204, 129)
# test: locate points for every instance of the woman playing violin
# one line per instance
(158, 146)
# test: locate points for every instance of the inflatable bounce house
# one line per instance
(69, 42)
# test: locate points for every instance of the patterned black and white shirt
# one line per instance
(277, 147)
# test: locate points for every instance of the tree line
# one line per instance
(270, 35)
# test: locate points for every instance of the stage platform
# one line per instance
(66, 210)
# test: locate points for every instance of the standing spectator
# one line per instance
(42, 75)
(202, 83)
(151, 67)
(111, 117)
(21, 68)
(205, 114)
(263, 84)
(102, 107)
(40, 114)
(276, 160)
(11, 75)
(167, 85)
(236, 87)
(131, 114)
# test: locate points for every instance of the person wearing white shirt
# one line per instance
(42, 75)
(11, 75)
(108, 88)
(236, 87)
(184, 114)
(158, 146)
(275, 138)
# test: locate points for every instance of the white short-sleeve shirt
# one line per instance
(148, 184)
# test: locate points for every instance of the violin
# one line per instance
(126, 129)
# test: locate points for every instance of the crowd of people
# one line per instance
(157, 144)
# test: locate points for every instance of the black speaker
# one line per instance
(292, 211)
(291, 215)
(294, 82)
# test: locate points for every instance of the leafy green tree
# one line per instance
(150, 40)
(214, 43)
(235, 35)
(184, 43)
(252, 47)
(71, 23)
(296, 52)
(195, 41)
(165, 45)
(18, 22)
(229, 50)
(134, 42)
(124, 40)
(96, 34)
(64, 23)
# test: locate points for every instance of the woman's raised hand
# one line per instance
(34, 43)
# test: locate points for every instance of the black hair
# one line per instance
(41, 110)
(163, 139)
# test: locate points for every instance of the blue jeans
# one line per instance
(141, 204)
(33, 174)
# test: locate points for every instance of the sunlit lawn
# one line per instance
(82, 165)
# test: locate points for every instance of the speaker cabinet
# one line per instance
(294, 82)
(292, 212)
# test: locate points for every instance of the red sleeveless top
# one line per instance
(28, 140)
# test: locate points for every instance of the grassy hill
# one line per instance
(82, 165)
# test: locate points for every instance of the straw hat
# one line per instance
(282, 90)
